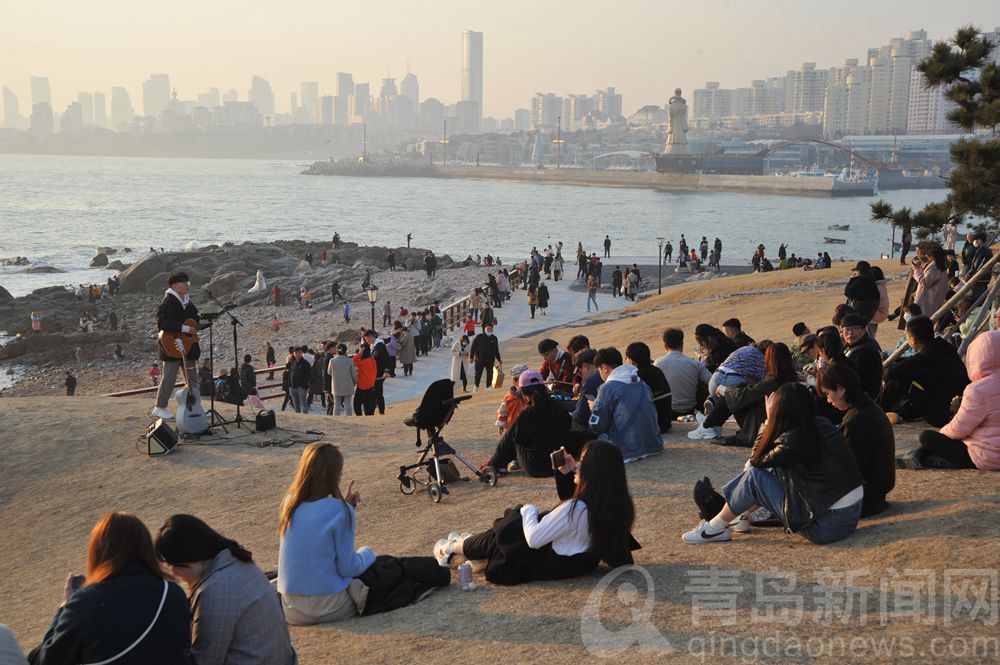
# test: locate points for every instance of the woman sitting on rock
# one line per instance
(801, 470)
(570, 540)
(236, 615)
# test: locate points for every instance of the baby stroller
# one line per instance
(435, 410)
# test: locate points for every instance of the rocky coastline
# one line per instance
(228, 271)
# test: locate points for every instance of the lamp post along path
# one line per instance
(659, 265)
(372, 292)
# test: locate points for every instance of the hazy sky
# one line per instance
(644, 48)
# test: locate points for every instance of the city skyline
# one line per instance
(586, 49)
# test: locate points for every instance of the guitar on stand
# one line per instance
(191, 417)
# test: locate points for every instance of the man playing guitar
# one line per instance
(173, 312)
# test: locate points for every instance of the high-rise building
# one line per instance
(545, 110)
(210, 99)
(361, 101)
(711, 102)
(261, 96)
(575, 109)
(309, 96)
(431, 114)
(155, 95)
(342, 100)
(409, 87)
(72, 119)
(231, 96)
(846, 109)
(890, 68)
(121, 108)
(472, 70)
(11, 109)
(522, 120)
(468, 117)
(928, 108)
(100, 110)
(41, 92)
(386, 93)
(805, 89)
(41, 118)
(86, 102)
(326, 110)
(609, 103)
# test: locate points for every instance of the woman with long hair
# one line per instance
(715, 347)
(800, 469)
(124, 609)
(317, 563)
(930, 271)
(746, 403)
(594, 525)
(867, 432)
(236, 615)
(542, 426)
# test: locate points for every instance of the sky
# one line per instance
(644, 48)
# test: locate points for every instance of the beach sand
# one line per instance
(67, 461)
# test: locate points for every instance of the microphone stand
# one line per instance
(236, 355)
(215, 418)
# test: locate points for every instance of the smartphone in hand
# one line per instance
(558, 458)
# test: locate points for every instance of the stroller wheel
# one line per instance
(434, 491)
(407, 485)
(489, 476)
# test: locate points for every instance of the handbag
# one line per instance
(497, 377)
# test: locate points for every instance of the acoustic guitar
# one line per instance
(191, 417)
(178, 344)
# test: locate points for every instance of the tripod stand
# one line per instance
(215, 418)
(234, 322)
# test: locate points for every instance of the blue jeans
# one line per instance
(299, 397)
(721, 378)
(761, 487)
(592, 298)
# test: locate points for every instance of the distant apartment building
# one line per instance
(431, 115)
(522, 120)
(326, 110)
(42, 121)
(712, 102)
(122, 112)
(608, 102)
(309, 95)
(86, 102)
(805, 89)
(409, 87)
(11, 110)
(41, 92)
(72, 119)
(472, 70)
(928, 109)
(261, 96)
(545, 110)
(100, 110)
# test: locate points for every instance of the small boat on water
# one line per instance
(834, 241)
(839, 227)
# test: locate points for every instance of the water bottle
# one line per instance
(465, 582)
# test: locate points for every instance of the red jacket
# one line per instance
(366, 371)
(561, 368)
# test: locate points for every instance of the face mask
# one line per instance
(907, 317)
(488, 333)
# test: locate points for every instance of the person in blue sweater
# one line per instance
(318, 566)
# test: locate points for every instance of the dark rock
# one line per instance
(117, 265)
(15, 261)
(5, 295)
(99, 261)
(43, 270)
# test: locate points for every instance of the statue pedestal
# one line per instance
(676, 149)
(668, 162)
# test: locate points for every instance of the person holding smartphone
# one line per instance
(594, 524)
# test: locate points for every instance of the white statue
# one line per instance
(260, 285)
(677, 125)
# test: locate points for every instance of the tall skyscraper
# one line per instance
(41, 118)
(342, 100)
(86, 102)
(121, 108)
(100, 110)
(41, 93)
(155, 95)
(231, 96)
(545, 110)
(308, 97)
(522, 120)
(11, 109)
(609, 102)
(805, 89)
(72, 119)
(361, 101)
(386, 93)
(410, 88)
(472, 70)
(261, 96)
(326, 110)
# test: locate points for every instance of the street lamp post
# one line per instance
(659, 265)
(372, 292)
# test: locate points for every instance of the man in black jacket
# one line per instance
(862, 291)
(485, 352)
(175, 309)
(923, 385)
(382, 364)
(979, 258)
(862, 350)
(299, 375)
(734, 331)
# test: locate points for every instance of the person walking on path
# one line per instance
(70, 384)
(543, 298)
(557, 267)
(682, 246)
(343, 378)
(382, 362)
(391, 259)
(592, 286)
(607, 247)
(668, 252)
(270, 359)
(616, 282)
(532, 300)
(485, 353)
(703, 248)
(387, 314)
(407, 354)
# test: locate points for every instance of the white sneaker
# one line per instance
(740, 525)
(442, 552)
(704, 433)
(513, 466)
(697, 535)
(475, 389)
(489, 389)
(157, 412)
(700, 418)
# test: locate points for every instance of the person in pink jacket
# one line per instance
(930, 270)
(971, 440)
